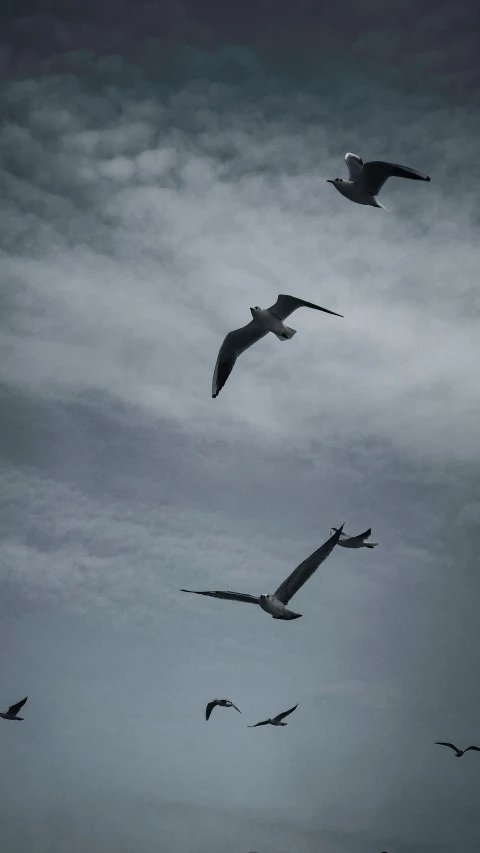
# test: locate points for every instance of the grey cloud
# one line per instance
(182, 226)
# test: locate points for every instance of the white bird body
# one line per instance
(275, 604)
(276, 608)
(356, 192)
(271, 323)
(366, 179)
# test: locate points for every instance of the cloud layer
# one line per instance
(140, 220)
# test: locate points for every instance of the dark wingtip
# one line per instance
(427, 178)
(338, 532)
(325, 310)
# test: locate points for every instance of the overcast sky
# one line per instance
(163, 168)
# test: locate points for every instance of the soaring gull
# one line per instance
(224, 703)
(355, 541)
(12, 712)
(367, 179)
(274, 721)
(458, 752)
(264, 321)
(275, 603)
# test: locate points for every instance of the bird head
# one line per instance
(255, 311)
(335, 181)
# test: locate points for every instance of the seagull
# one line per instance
(275, 721)
(355, 541)
(367, 179)
(264, 320)
(458, 752)
(224, 703)
(12, 712)
(275, 603)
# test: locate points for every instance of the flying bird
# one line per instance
(365, 180)
(355, 541)
(275, 603)
(274, 721)
(224, 703)
(12, 712)
(264, 320)
(458, 752)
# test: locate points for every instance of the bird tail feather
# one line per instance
(286, 334)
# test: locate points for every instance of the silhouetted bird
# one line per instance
(223, 703)
(12, 712)
(274, 721)
(458, 752)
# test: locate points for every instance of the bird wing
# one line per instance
(286, 305)
(237, 709)
(285, 713)
(14, 709)
(209, 709)
(354, 165)
(359, 537)
(451, 745)
(263, 723)
(376, 172)
(234, 344)
(476, 748)
(305, 570)
(231, 596)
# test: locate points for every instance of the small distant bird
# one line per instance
(223, 703)
(458, 752)
(275, 604)
(274, 721)
(367, 179)
(12, 712)
(355, 541)
(264, 321)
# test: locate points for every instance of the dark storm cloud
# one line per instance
(434, 46)
(144, 206)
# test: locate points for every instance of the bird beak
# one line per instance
(329, 181)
